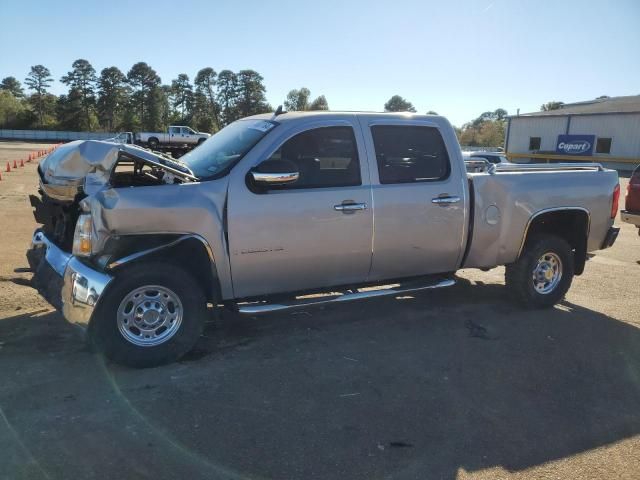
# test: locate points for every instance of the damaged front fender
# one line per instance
(173, 212)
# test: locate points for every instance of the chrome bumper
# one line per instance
(82, 286)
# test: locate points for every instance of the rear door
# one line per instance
(175, 135)
(314, 233)
(418, 197)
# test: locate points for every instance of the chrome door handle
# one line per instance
(350, 207)
(445, 200)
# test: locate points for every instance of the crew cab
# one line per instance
(175, 135)
(631, 212)
(275, 211)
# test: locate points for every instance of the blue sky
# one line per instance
(459, 58)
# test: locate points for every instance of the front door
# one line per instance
(188, 135)
(311, 234)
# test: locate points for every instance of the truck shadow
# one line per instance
(459, 378)
(415, 387)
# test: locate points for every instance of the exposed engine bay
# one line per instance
(82, 168)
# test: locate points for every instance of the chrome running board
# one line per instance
(255, 308)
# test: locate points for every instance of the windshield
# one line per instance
(222, 151)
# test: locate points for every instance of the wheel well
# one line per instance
(571, 225)
(193, 256)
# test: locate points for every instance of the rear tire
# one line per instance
(542, 275)
(152, 314)
(153, 143)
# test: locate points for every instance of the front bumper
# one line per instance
(64, 281)
(630, 217)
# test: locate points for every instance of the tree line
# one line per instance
(138, 100)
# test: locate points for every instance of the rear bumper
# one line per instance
(630, 217)
(611, 237)
(64, 281)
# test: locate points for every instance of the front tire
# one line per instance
(542, 275)
(153, 314)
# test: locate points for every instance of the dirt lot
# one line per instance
(453, 384)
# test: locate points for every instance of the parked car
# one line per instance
(273, 208)
(631, 212)
(496, 158)
(175, 135)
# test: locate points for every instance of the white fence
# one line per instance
(53, 135)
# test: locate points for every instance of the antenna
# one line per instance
(279, 111)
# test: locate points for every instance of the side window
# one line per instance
(410, 153)
(325, 157)
(534, 143)
(603, 145)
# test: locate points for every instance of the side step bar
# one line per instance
(349, 295)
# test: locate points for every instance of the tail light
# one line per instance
(616, 200)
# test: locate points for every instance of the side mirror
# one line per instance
(271, 173)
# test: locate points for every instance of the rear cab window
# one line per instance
(410, 153)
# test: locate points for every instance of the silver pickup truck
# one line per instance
(175, 135)
(294, 209)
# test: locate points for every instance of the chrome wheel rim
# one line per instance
(547, 273)
(149, 316)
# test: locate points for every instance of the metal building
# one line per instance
(605, 130)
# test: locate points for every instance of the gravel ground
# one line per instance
(451, 384)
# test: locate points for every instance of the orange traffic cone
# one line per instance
(29, 158)
(22, 163)
(0, 177)
(15, 164)
(8, 167)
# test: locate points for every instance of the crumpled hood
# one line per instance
(77, 166)
(85, 166)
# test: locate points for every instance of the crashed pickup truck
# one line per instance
(280, 211)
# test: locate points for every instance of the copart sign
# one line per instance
(575, 144)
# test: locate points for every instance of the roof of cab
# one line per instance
(289, 116)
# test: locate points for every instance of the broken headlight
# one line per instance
(82, 236)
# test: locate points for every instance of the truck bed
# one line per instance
(506, 199)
